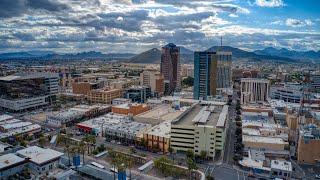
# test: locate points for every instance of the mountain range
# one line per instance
(283, 52)
(49, 55)
(186, 55)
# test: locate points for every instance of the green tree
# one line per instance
(42, 141)
(67, 150)
(203, 155)
(23, 143)
(187, 82)
(82, 150)
(209, 177)
(190, 154)
(171, 151)
(191, 166)
(164, 165)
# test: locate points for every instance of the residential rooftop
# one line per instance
(39, 155)
(10, 159)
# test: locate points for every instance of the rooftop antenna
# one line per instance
(220, 49)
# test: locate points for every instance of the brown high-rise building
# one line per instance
(171, 68)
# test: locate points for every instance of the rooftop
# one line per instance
(128, 105)
(5, 117)
(39, 155)
(9, 160)
(262, 139)
(281, 165)
(162, 112)
(259, 80)
(116, 123)
(161, 130)
(203, 115)
(29, 75)
(21, 130)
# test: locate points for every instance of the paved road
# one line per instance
(135, 174)
(230, 140)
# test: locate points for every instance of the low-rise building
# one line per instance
(84, 88)
(11, 164)
(138, 94)
(10, 127)
(308, 151)
(114, 126)
(158, 137)
(289, 92)
(72, 115)
(119, 101)
(200, 128)
(104, 95)
(261, 142)
(281, 169)
(130, 109)
(159, 114)
(41, 160)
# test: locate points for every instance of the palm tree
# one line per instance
(67, 149)
(86, 140)
(191, 165)
(74, 151)
(171, 153)
(203, 154)
(113, 161)
(93, 141)
(82, 149)
(42, 141)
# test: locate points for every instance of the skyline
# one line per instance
(68, 26)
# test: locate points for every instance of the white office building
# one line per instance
(254, 90)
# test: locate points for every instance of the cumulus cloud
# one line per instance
(137, 25)
(298, 23)
(14, 8)
(269, 3)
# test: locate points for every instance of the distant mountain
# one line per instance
(151, 56)
(242, 54)
(283, 52)
(15, 55)
(50, 55)
(154, 56)
(184, 50)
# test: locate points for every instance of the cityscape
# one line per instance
(159, 90)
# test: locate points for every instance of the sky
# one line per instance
(114, 26)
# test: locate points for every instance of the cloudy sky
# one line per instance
(137, 25)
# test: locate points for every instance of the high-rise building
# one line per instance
(254, 90)
(171, 68)
(212, 70)
(154, 79)
(28, 90)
